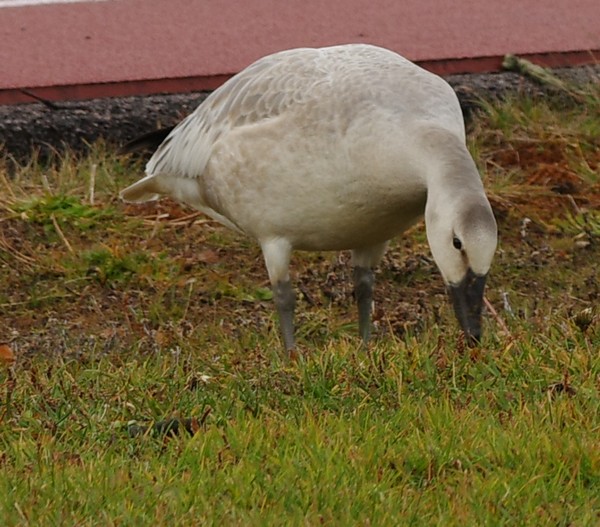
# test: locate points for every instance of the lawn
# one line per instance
(141, 376)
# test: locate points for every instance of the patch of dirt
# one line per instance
(213, 294)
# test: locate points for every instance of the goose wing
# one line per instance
(264, 90)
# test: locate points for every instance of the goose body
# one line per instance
(335, 148)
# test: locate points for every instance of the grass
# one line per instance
(123, 317)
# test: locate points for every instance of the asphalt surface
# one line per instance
(54, 127)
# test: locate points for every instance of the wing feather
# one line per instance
(262, 91)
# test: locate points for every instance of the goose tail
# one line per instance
(146, 189)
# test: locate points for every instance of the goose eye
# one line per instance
(457, 243)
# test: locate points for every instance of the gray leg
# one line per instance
(363, 291)
(285, 302)
(364, 259)
(277, 253)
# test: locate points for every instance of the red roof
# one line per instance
(64, 49)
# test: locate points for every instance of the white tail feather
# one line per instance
(145, 189)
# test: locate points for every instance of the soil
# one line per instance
(51, 127)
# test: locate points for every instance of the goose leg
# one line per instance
(285, 302)
(363, 292)
(277, 254)
(364, 260)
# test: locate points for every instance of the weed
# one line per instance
(64, 209)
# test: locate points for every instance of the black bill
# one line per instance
(467, 300)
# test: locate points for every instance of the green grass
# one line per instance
(412, 434)
(122, 317)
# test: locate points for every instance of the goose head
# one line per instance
(463, 242)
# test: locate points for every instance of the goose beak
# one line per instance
(467, 300)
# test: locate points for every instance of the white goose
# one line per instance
(336, 148)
